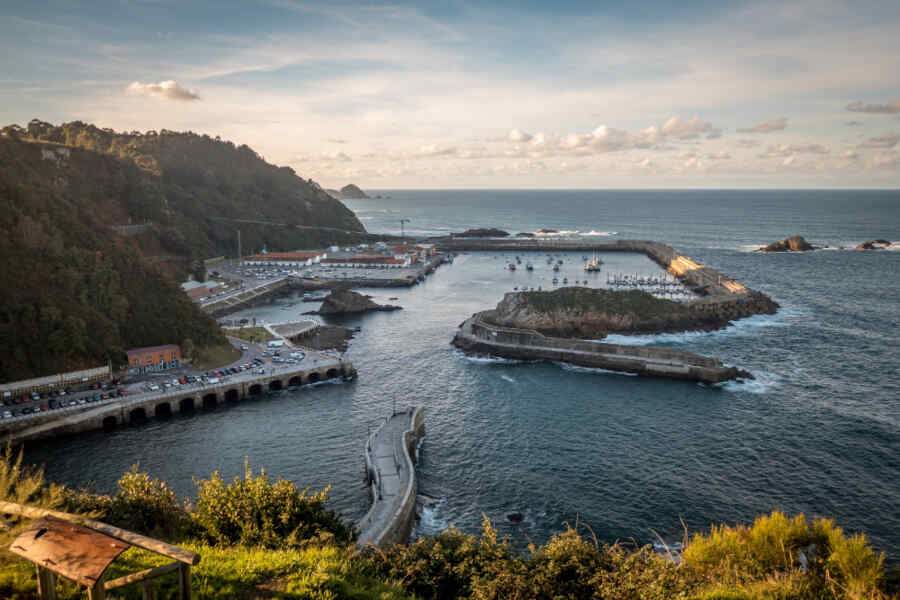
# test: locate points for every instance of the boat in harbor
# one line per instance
(511, 266)
(556, 268)
(593, 265)
(529, 267)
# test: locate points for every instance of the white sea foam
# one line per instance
(486, 360)
(593, 233)
(431, 517)
(592, 370)
(762, 383)
(507, 378)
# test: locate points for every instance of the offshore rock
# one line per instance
(576, 312)
(795, 243)
(345, 302)
(874, 245)
(353, 192)
(482, 232)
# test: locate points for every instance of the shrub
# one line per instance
(25, 485)
(254, 511)
(147, 505)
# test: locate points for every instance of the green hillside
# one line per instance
(79, 288)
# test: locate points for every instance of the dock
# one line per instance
(391, 473)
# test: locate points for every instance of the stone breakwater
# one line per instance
(477, 336)
(391, 472)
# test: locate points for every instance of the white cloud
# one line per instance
(688, 129)
(790, 150)
(889, 140)
(336, 156)
(875, 109)
(769, 126)
(170, 90)
(519, 136)
(429, 150)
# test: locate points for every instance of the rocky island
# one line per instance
(347, 302)
(349, 192)
(794, 243)
(587, 313)
(482, 232)
(874, 245)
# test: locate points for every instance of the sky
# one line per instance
(523, 94)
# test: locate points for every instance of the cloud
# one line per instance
(688, 129)
(336, 156)
(853, 123)
(749, 143)
(889, 140)
(875, 109)
(169, 90)
(519, 136)
(436, 150)
(789, 150)
(769, 126)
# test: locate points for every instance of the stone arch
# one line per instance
(109, 423)
(163, 410)
(275, 385)
(331, 373)
(210, 401)
(295, 381)
(186, 405)
(232, 395)
(137, 415)
(314, 377)
(255, 390)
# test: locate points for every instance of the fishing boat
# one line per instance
(593, 265)
(529, 267)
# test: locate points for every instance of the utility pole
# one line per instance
(239, 246)
(402, 230)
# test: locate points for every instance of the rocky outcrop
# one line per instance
(874, 245)
(353, 192)
(482, 232)
(525, 234)
(595, 313)
(347, 302)
(795, 243)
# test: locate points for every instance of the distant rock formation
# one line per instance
(588, 313)
(353, 192)
(524, 234)
(482, 232)
(874, 245)
(346, 302)
(795, 243)
(545, 230)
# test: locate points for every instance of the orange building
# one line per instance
(154, 358)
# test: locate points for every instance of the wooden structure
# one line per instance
(81, 550)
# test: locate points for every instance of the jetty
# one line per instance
(477, 336)
(391, 473)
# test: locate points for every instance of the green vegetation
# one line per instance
(97, 228)
(251, 334)
(641, 304)
(263, 538)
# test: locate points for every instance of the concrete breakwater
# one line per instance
(138, 408)
(391, 473)
(478, 336)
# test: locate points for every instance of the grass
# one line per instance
(634, 302)
(251, 334)
(213, 357)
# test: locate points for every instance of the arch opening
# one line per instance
(163, 410)
(210, 401)
(275, 385)
(295, 381)
(232, 395)
(314, 377)
(109, 423)
(186, 405)
(137, 415)
(255, 389)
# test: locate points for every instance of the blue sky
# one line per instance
(479, 94)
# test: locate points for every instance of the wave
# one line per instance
(762, 383)
(431, 516)
(745, 326)
(573, 233)
(507, 378)
(486, 360)
(593, 233)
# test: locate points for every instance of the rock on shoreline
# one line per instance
(482, 232)
(794, 243)
(346, 302)
(874, 245)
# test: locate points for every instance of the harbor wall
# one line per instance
(479, 337)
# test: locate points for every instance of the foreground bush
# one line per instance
(254, 511)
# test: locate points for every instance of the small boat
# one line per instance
(556, 268)
(529, 267)
(593, 265)
(511, 266)
(565, 280)
(555, 281)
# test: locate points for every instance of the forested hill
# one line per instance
(98, 228)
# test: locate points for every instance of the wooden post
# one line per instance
(184, 581)
(97, 591)
(46, 582)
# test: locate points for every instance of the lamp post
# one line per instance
(402, 229)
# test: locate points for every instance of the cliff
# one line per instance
(595, 313)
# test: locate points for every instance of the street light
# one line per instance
(402, 229)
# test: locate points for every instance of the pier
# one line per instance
(391, 473)
(478, 336)
(138, 408)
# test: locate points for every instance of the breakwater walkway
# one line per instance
(391, 472)
(480, 337)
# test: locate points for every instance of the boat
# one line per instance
(593, 265)
(556, 268)
(555, 281)
(511, 266)
(565, 280)
(529, 267)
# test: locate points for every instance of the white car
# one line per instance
(154, 388)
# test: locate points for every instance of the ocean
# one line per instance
(817, 431)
